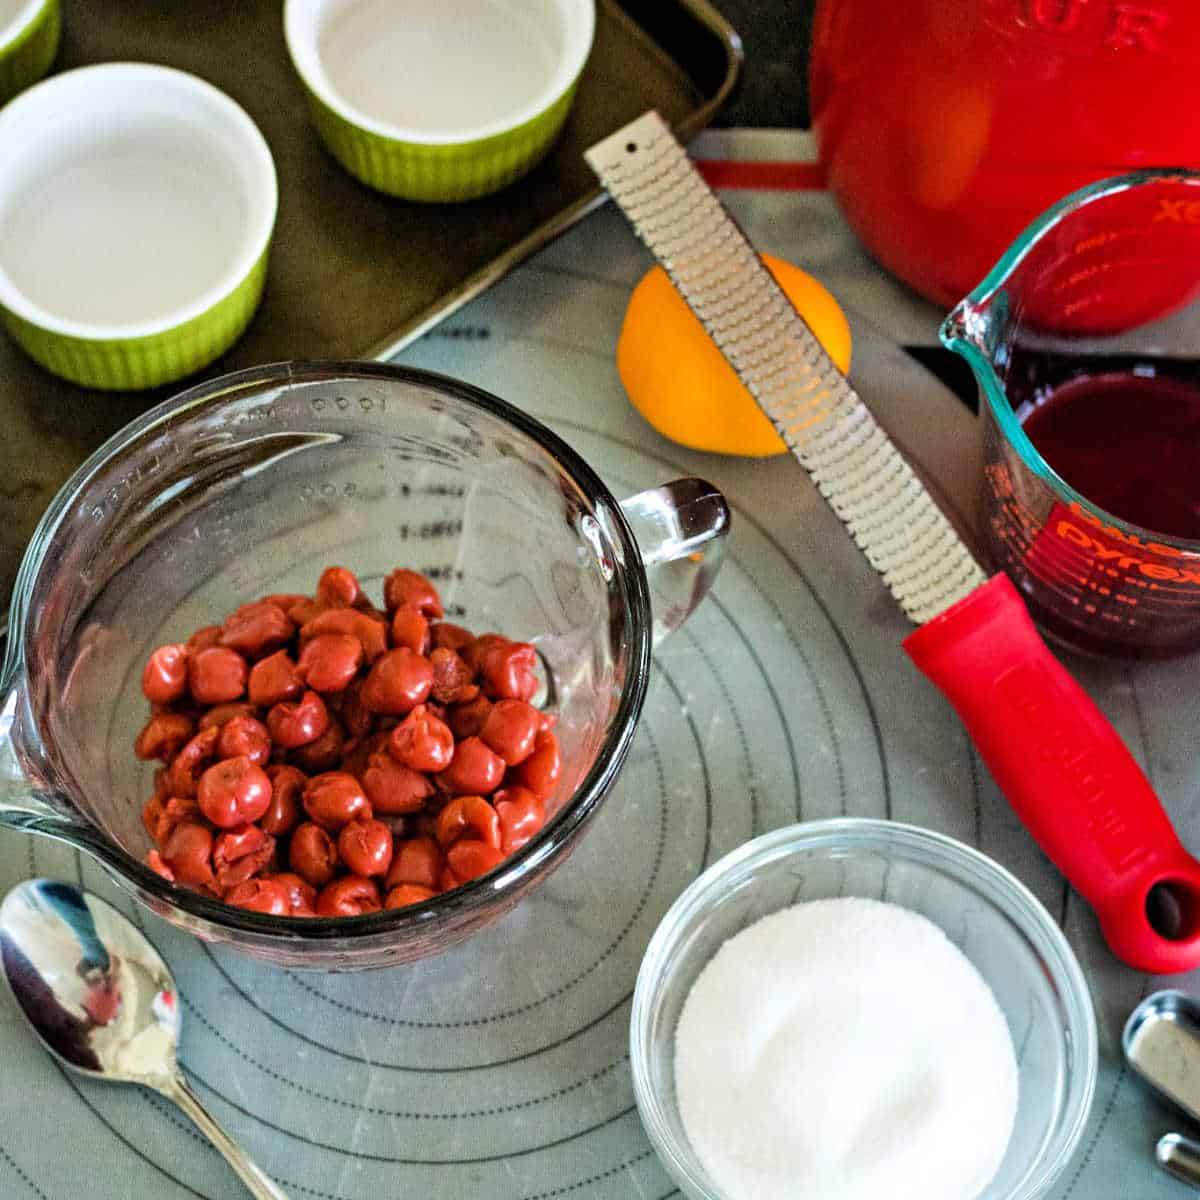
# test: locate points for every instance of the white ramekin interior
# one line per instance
(405, 40)
(15, 15)
(133, 197)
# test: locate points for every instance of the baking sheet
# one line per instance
(352, 273)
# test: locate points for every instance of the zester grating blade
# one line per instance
(865, 479)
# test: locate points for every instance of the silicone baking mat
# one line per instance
(500, 1070)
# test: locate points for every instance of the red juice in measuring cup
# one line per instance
(1119, 572)
(1130, 443)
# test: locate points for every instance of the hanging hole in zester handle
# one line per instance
(1154, 924)
(1151, 919)
(1173, 909)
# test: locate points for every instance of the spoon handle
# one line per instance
(1179, 1156)
(258, 1184)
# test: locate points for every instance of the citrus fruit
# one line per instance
(680, 382)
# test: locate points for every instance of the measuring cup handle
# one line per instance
(1066, 773)
(680, 529)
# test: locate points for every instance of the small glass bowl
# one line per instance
(985, 911)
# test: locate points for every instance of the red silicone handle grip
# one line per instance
(1065, 771)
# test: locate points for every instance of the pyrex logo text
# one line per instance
(1100, 546)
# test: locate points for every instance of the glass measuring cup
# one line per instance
(253, 483)
(1095, 307)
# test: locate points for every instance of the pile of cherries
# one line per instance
(324, 758)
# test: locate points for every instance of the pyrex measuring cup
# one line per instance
(1088, 329)
(252, 484)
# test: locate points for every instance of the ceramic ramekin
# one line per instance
(439, 100)
(29, 32)
(137, 205)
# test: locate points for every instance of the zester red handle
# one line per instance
(1065, 771)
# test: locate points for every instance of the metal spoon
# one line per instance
(102, 1000)
(1161, 1042)
(1179, 1156)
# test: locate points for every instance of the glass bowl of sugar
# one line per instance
(858, 1008)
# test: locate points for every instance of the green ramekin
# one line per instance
(28, 47)
(132, 364)
(165, 335)
(439, 174)
(441, 167)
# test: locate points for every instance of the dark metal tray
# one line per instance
(353, 274)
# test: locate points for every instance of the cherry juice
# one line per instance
(1129, 443)
(1124, 434)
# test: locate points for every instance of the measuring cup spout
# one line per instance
(25, 803)
(978, 330)
(680, 528)
(973, 329)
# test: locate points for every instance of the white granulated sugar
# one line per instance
(845, 1049)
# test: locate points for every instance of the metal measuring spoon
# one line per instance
(1161, 1042)
(102, 1000)
(1179, 1156)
